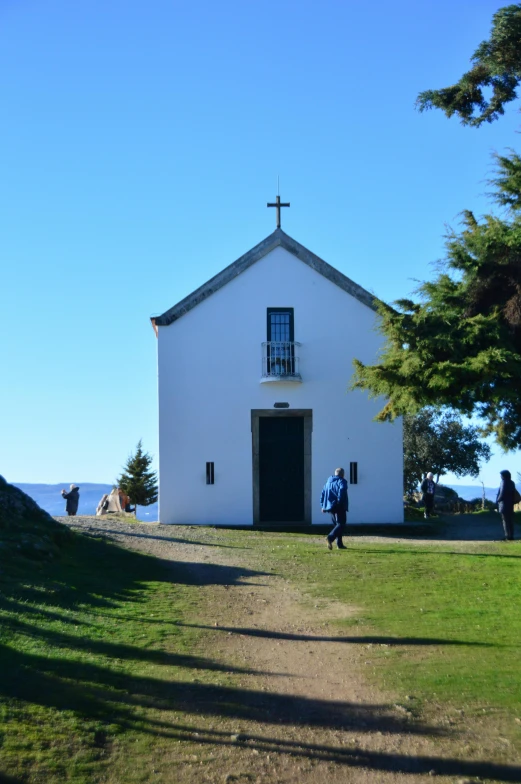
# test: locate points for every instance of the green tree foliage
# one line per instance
(441, 443)
(460, 344)
(137, 480)
(496, 70)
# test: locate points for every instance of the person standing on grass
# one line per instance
(73, 498)
(428, 488)
(334, 501)
(505, 503)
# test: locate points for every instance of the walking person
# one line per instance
(73, 498)
(506, 498)
(334, 501)
(428, 488)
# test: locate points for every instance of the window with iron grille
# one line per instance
(353, 473)
(281, 337)
(209, 474)
(280, 325)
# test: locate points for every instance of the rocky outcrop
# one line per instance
(25, 529)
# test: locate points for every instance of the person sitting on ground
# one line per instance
(428, 488)
(103, 505)
(73, 498)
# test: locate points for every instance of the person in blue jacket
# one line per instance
(505, 503)
(334, 501)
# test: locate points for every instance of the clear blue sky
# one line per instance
(140, 142)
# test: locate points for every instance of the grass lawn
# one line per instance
(97, 648)
(442, 621)
(87, 647)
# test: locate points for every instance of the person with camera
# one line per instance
(73, 498)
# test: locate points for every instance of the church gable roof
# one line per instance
(275, 240)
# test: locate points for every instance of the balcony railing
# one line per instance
(280, 361)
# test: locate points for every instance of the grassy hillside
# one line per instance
(97, 643)
(88, 643)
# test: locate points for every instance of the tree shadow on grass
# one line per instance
(95, 574)
(131, 702)
(93, 531)
(415, 552)
(98, 576)
(43, 662)
(201, 574)
(121, 691)
(6, 779)
(446, 528)
(354, 757)
(360, 640)
(42, 602)
(115, 695)
(83, 644)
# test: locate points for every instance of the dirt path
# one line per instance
(308, 714)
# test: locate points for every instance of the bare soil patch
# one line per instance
(310, 715)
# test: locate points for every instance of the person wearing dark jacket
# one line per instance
(505, 503)
(334, 501)
(428, 489)
(73, 499)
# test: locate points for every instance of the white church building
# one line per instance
(254, 407)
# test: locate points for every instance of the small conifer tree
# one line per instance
(137, 480)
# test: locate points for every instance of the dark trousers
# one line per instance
(428, 500)
(339, 526)
(508, 523)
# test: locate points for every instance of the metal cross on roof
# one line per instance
(278, 204)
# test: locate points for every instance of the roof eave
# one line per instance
(274, 240)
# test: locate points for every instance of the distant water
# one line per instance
(470, 492)
(49, 498)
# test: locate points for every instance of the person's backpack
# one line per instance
(517, 497)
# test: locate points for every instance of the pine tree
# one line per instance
(460, 344)
(496, 66)
(137, 480)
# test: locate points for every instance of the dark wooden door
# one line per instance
(281, 469)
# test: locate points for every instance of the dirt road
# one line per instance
(309, 714)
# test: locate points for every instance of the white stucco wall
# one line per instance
(209, 380)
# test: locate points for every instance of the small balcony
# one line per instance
(280, 361)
